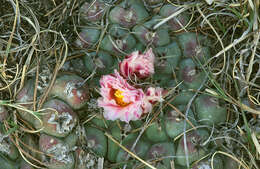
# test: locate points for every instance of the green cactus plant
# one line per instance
(96, 141)
(174, 122)
(58, 119)
(209, 111)
(146, 35)
(87, 38)
(7, 147)
(161, 150)
(92, 11)
(58, 155)
(70, 89)
(194, 46)
(188, 74)
(140, 149)
(8, 164)
(152, 3)
(71, 139)
(25, 98)
(206, 163)
(3, 113)
(117, 45)
(128, 13)
(113, 148)
(175, 23)
(182, 98)
(195, 150)
(156, 132)
(103, 62)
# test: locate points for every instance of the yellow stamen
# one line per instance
(119, 98)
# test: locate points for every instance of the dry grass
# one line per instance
(36, 39)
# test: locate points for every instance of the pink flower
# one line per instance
(152, 96)
(141, 65)
(119, 99)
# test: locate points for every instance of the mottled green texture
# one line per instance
(176, 23)
(87, 37)
(8, 164)
(118, 45)
(188, 74)
(161, 150)
(194, 151)
(183, 98)
(128, 13)
(146, 35)
(103, 62)
(113, 148)
(96, 140)
(140, 149)
(209, 111)
(174, 122)
(194, 46)
(69, 88)
(60, 122)
(156, 132)
(206, 163)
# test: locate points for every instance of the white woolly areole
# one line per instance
(64, 122)
(60, 153)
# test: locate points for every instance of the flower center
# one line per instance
(119, 98)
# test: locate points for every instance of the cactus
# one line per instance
(156, 132)
(195, 46)
(7, 147)
(84, 159)
(174, 122)
(115, 45)
(25, 165)
(100, 122)
(206, 163)
(60, 122)
(169, 57)
(70, 89)
(230, 163)
(72, 139)
(128, 13)
(176, 23)
(92, 11)
(88, 37)
(171, 53)
(96, 141)
(30, 141)
(25, 97)
(161, 150)
(113, 148)
(152, 3)
(3, 113)
(140, 149)
(115, 30)
(8, 164)
(195, 151)
(59, 156)
(146, 35)
(102, 61)
(192, 79)
(209, 111)
(182, 98)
